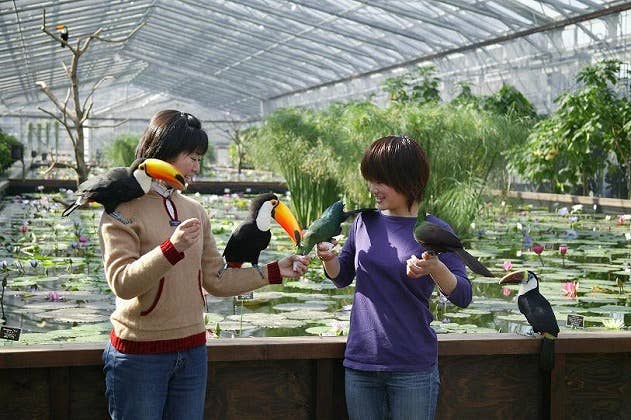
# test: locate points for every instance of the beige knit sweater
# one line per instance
(158, 295)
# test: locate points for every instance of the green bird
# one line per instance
(328, 225)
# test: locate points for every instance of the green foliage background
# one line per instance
(318, 152)
(6, 141)
(122, 151)
(588, 135)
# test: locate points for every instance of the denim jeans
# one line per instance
(155, 386)
(391, 395)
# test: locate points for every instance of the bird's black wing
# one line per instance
(473, 263)
(436, 236)
(246, 243)
(112, 188)
(102, 181)
(538, 312)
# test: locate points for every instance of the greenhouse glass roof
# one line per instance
(248, 57)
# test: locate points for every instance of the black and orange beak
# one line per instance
(514, 278)
(159, 169)
(287, 221)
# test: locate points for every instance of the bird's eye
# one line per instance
(274, 202)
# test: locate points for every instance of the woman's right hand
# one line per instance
(324, 251)
(186, 233)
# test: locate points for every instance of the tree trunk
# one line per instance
(81, 169)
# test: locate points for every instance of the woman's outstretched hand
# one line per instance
(293, 265)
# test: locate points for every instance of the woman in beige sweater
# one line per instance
(159, 255)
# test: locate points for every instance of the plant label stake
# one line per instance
(10, 333)
(245, 296)
(575, 321)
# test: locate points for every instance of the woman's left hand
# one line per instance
(293, 265)
(419, 267)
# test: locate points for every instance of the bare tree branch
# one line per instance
(52, 115)
(106, 125)
(95, 87)
(132, 33)
(66, 69)
(86, 113)
(88, 41)
(44, 88)
(62, 122)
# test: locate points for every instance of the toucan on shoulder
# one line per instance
(121, 184)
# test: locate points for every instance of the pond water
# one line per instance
(55, 288)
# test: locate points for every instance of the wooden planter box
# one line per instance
(486, 376)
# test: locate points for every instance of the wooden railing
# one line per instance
(486, 376)
(603, 204)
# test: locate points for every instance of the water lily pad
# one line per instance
(233, 325)
(472, 311)
(599, 298)
(309, 285)
(304, 306)
(75, 315)
(308, 315)
(512, 317)
(456, 315)
(608, 309)
(212, 318)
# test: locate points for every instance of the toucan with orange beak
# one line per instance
(253, 235)
(119, 185)
(63, 33)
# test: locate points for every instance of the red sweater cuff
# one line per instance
(273, 273)
(170, 252)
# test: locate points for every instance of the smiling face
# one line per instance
(390, 201)
(187, 164)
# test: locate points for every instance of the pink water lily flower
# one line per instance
(538, 249)
(569, 289)
(508, 265)
(506, 291)
(563, 251)
(54, 297)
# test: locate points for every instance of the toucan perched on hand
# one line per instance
(253, 235)
(328, 225)
(540, 316)
(119, 185)
(437, 239)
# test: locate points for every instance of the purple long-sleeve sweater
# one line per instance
(389, 329)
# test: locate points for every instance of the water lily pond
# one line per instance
(55, 289)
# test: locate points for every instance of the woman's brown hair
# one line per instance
(399, 162)
(170, 133)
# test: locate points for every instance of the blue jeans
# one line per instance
(391, 395)
(155, 386)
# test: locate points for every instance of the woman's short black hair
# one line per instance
(170, 133)
(399, 162)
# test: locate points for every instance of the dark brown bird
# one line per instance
(436, 239)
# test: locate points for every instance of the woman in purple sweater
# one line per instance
(391, 355)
